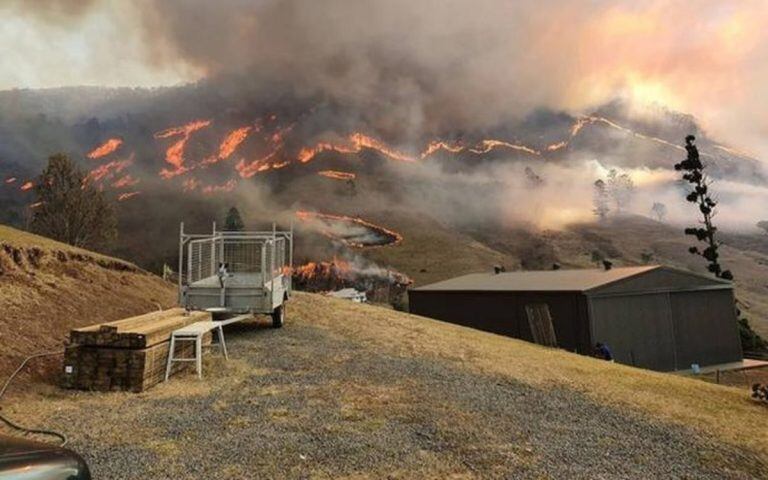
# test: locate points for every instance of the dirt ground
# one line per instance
(354, 391)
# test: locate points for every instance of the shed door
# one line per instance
(637, 328)
(540, 323)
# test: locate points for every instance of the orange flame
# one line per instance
(440, 145)
(106, 148)
(306, 154)
(306, 216)
(343, 271)
(190, 184)
(363, 141)
(229, 144)
(557, 146)
(486, 146)
(108, 170)
(279, 134)
(249, 169)
(358, 142)
(125, 196)
(125, 181)
(27, 186)
(581, 122)
(225, 187)
(337, 175)
(174, 155)
(310, 270)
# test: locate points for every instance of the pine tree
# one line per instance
(234, 222)
(700, 194)
(693, 173)
(71, 209)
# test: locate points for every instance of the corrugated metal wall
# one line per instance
(637, 328)
(668, 331)
(706, 331)
(663, 319)
(504, 313)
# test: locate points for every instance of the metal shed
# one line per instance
(653, 317)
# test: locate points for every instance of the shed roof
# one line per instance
(555, 280)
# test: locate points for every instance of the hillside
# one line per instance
(47, 288)
(624, 240)
(355, 391)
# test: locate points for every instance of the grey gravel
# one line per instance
(311, 405)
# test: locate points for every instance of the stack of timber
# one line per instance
(128, 354)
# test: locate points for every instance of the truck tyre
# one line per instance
(278, 316)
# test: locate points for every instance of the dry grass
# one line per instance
(48, 288)
(444, 252)
(310, 385)
(22, 239)
(720, 411)
(430, 251)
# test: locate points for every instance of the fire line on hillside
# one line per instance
(351, 231)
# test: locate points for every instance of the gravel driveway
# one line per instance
(302, 402)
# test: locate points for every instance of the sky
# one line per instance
(462, 61)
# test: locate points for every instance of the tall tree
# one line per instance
(234, 222)
(659, 210)
(701, 196)
(621, 189)
(533, 179)
(71, 209)
(600, 200)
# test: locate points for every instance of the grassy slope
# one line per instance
(47, 288)
(722, 412)
(446, 253)
(431, 251)
(627, 238)
(253, 395)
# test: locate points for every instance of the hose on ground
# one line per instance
(18, 427)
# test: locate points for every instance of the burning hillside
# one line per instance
(351, 231)
(380, 284)
(105, 149)
(337, 175)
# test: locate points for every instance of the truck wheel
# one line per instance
(278, 316)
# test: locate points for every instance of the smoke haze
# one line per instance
(434, 65)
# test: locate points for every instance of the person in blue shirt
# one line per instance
(603, 351)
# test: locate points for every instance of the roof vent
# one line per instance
(607, 265)
(497, 269)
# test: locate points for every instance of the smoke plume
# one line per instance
(437, 65)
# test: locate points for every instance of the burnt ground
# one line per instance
(309, 402)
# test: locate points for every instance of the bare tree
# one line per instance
(621, 189)
(600, 200)
(532, 178)
(71, 209)
(659, 210)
